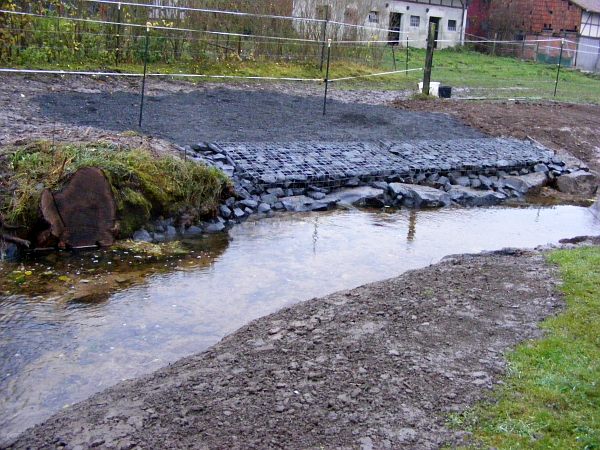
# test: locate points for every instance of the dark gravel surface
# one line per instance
(219, 114)
(379, 366)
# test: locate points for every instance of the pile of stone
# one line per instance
(423, 174)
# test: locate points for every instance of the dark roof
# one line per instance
(588, 5)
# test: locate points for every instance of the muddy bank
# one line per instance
(570, 129)
(375, 367)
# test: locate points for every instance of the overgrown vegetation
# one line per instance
(144, 185)
(551, 395)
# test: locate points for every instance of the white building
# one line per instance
(405, 19)
(588, 47)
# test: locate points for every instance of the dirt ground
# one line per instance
(379, 366)
(567, 128)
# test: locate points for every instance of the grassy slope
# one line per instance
(485, 75)
(551, 396)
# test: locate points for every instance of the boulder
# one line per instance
(142, 236)
(214, 227)
(358, 196)
(297, 203)
(579, 182)
(423, 196)
(193, 231)
(264, 208)
(525, 184)
(473, 197)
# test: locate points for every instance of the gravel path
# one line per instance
(375, 367)
(185, 113)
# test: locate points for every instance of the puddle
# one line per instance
(56, 351)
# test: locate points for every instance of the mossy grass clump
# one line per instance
(144, 184)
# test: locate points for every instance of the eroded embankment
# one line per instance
(378, 366)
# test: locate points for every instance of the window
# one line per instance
(374, 17)
(452, 25)
(415, 21)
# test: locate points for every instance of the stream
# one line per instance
(57, 349)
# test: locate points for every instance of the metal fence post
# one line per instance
(144, 77)
(406, 73)
(394, 56)
(117, 50)
(324, 37)
(562, 43)
(327, 76)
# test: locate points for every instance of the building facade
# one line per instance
(576, 21)
(393, 20)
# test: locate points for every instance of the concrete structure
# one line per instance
(391, 20)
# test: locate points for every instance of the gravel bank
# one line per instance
(375, 367)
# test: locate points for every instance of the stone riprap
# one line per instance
(301, 164)
(318, 176)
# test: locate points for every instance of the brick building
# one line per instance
(577, 21)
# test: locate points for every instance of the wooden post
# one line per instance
(428, 58)
(562, 43)
(494, 44)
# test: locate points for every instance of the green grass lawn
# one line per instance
(484, 75)
(551, 395)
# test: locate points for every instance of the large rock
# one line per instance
(525, 184)
(474, 197)
(422, 196)
(358, 196)
(297, 203)
(578, 183)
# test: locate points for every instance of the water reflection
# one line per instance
(56, 351)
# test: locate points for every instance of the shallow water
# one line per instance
(55, 352)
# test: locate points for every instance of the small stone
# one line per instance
(193, 231)
(249, 203)
(264, 208)
(142, 236)
(215, 227)
(279, 408)
(225, 211)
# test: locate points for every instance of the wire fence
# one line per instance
(108, 38)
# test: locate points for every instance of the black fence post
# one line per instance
(324, 37)
(117, 50)
(562, 43)
(406, 73)
(145, 69)
(428, 58)
(394, 56)
(327, 76)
